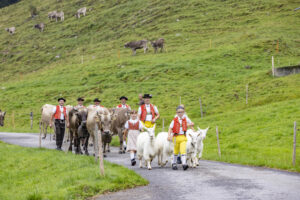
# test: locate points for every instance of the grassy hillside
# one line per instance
(208, 45)
(29, 173)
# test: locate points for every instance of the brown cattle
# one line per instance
(2, 115)
(158, 44)
(121, 115)
(134, 45)
(78, 119)
(99, 122)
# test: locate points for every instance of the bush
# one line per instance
(33, 10)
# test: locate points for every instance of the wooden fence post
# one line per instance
(247, 93)
(13, 119)
(82, 59)
(273, 67)
(50, 132)
(40, 136)
(31, 119)
(200, 102)
(294, 152)
(219, 150)
(101, 165)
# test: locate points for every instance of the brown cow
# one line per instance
(121, 115)
(77, 119)
(158, 44)
(134, 45)
(99, 122)
(2, 115)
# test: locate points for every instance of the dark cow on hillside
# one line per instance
(40, 26)
(121, 115)
(134, 45)
(158, 44)
(78, 130)
(2, 115)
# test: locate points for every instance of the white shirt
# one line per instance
(79, 106)
(188, 121)
(185, 116)
(133, 122)
(123, 106)
(61, 111)
(149, 115)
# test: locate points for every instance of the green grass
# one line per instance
(30, 173)
(241, 33)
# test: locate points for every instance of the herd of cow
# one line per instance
(85, 121)
(133, 45)
(89, 122)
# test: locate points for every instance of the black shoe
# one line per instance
(185, 167)
(174, 166)
(133, 162)
(179, 160)
(59, 149)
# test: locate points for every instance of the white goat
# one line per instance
(146, 146)
(191, 145)
(200, 145)
(164, 148)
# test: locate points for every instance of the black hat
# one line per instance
(61, 99)
(123, 97)
(97, 100)
(80, 99)
(147, 96)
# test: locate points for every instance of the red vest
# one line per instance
(120, 106)
(58, 112)
(132, 126)
(176, 127)
(144, 112)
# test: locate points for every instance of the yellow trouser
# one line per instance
(148, 124)
(179, 144)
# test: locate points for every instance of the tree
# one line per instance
(4, 3)
(33, 10)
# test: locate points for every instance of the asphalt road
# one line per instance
(211, 180)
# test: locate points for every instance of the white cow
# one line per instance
(164, 148)
(11, 30)
(52, 15)
(60, 15)
(46, 112)
(81, 11)
(146, 146)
